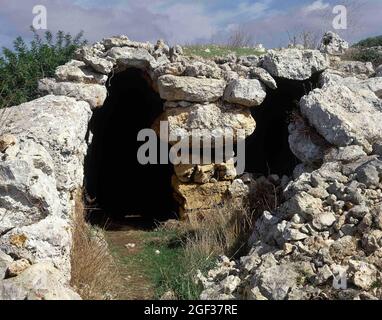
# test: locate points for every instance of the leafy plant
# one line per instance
(370, 42)
(22, 66)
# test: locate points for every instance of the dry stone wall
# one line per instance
(45, 141)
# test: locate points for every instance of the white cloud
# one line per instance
(247, 9)
(318, 5)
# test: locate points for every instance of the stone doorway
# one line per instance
(120, 188)
(268, 149)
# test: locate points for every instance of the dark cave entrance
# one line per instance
(120, 188)
(267, 149)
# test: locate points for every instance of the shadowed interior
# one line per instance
(267, 149)
(118, 185)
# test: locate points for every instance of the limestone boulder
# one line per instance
(127, 57)
(202, 69)
(207, 122)
(6, 141)
(294, 64)
(333, 44)
(200, 196)
(94, 94)
(359, 69)
(5, 262)
(276, 282)
(175, 88)
(16, 267)
(174, 68)
(372, 84)
(48, 240)
(124, 41)
(59, 124)
(306, 144)
(39, 282)
(245, 92)
(28, 188)
(77, 71)
(340, 115)
(264, 76)
(95, 58)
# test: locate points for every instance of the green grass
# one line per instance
(171, 269)
(218, 51)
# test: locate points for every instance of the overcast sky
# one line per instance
(191, 21)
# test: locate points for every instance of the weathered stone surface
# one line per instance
(345, 154)
(365, 275)
(77, 71)
(305, 143)
(126, 57)
(174, 88)
(175, 68)
(264, 76)
(17, 266)
(48, 240)
(208, 122)
(27, 185)
(202, 69)
(124, 41)
(372, 84)
(362, 70)
(59, 124)
(246, 92)
(276, 282)
(205, 196)
(6, 141)
(294, 64)
(226, 171)
(39, 282)
(204, 173)
(333, 44)
(96, 59)
(184, 172)
(339, 115)
(94, 94)
(5, 262)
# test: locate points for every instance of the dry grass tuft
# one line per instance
(94, 273)
(224, 230)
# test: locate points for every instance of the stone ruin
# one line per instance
(78, 135)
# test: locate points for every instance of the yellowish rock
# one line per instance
(7, 140)
(18, 266)
(184, 172)
(199, 196)
(204, 173)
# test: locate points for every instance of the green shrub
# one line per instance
(370, 42)
(364, 55)
(22, 66)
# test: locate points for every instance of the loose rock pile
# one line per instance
(325, 240)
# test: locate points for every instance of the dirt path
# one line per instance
(136, 285)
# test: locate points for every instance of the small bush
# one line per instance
(370, 42)
(22, 66)
(365, 55)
